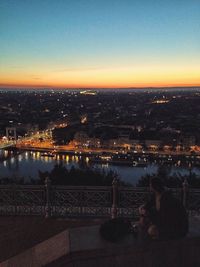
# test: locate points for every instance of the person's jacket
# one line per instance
(171, 219)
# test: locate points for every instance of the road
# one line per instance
(43, 142)
(48, 146)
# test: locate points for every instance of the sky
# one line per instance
(99, 43)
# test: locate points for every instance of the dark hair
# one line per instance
(157, 184)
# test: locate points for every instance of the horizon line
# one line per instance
(95, 88)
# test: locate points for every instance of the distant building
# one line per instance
(153, 144)
(188, 141)
(82, 140)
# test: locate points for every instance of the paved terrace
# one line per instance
(36, 245)
(88, 249)
(18, 233)
(33, 238)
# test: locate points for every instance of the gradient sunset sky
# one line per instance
(97, 43)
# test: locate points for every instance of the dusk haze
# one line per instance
(99, 44)
(99, 133)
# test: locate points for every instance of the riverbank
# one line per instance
(130, 158)
(69, 149)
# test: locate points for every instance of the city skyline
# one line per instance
(95, 44)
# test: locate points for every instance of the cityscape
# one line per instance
(133, 133)
(128, 121)
(109, 127)
(99, 133)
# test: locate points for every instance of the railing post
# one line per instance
(15, 200)
(185, 192)
(48, 203)
(114, 198)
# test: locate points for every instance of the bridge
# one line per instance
(4, 145)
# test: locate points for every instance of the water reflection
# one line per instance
(105, 165)
(27, 164)
(26, 155)
(67, 159)
(76, 159)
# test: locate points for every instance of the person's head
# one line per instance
(156, 185)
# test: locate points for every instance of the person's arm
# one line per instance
(150, 203)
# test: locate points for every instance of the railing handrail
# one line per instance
(79, 187)
(21, 186)
(115, 200)
(127, 188)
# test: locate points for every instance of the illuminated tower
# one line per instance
(11, 133)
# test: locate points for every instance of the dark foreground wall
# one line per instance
(182, 253)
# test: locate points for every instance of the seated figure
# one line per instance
(164, 216)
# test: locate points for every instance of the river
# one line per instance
(27, 165)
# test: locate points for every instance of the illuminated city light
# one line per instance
(88, 92)
(162, 101)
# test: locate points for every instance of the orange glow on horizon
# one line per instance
(30, 86)
(90, 86)
(141, 76)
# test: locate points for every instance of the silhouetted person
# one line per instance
(164, 216)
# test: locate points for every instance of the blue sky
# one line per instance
(91, 35)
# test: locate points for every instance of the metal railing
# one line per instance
(73, 201)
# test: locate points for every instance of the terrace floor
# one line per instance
(18, 233)
(88, 249)
(22, 232)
